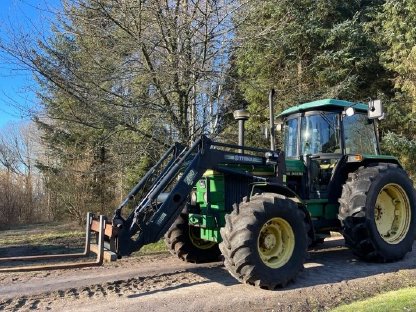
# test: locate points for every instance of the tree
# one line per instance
(120, 80)
(309, 50)
(400, 36)
(399, 56)
(21, 193)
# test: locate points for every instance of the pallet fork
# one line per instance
(98, 226)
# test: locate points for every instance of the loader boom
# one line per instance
(151, 218)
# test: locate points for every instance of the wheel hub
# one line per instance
(269, 242)
(276, 242)
(197, 241)
(392, 213)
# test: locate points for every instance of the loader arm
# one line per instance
(151, 218)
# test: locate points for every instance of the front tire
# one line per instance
(184, 242)
(265, 241)
(378, 213)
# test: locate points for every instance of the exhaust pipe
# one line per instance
(241, 115)
(271, 119)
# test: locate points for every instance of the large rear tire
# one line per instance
(184, 242)
(265, 241)
(378, 213)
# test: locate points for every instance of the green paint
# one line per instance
(381, 158)
(316, 207)
(294, 167)
(319, 208)
(212, 235)
(211, 199)
(331, 211)
(211, 187)
(322, 104)
(202, 220)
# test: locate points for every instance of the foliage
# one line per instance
(119, 81)
(308, 50)
(403, 148)
(21, 190)
(400, 36)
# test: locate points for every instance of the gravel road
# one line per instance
(163, 283)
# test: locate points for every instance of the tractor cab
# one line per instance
(320, 135)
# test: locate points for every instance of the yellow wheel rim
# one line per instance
(197, 241)
(392, 213)
(276, 243)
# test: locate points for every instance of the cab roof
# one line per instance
(326, 104)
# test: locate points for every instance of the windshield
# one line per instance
(359, 135)
(320, 134)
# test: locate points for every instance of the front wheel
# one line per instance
(184, 242)
(378, 213)
(265, 241)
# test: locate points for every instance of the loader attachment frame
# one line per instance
(94, 225)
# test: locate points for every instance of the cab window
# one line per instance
(320, 134)
(291, 138)
(359, 134)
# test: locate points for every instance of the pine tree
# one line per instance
(309, 50)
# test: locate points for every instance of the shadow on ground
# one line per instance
(331, 262)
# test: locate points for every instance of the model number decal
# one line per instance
(161, 219)
(189, 179)
(251, 159)
(294, 173)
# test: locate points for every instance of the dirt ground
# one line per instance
(161, 282)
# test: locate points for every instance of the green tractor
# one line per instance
(263, 213)
(261, 209)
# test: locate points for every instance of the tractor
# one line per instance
(261, 209)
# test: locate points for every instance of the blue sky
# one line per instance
(31, 17)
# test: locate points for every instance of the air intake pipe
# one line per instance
(241, 116)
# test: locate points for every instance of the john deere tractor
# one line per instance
(261, 209)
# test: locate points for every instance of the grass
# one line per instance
(393, 301)
(158, 247)
(39, 238)
(42, 235)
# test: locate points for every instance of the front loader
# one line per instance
(260, 210)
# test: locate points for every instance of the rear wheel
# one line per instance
(378, 213)
(184, 242)
(265, 241)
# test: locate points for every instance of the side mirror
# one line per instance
(375, 110)
(279, 126)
